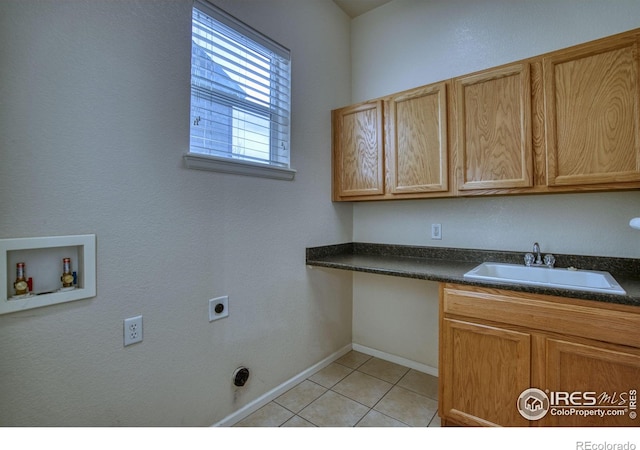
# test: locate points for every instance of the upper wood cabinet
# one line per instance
(592, 115)
(416, 144)
(358, 151)
(565, 121)
(394, 147)
(492, 116)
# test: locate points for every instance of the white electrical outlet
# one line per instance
(132, 330)
(436, 231)
(218, 308)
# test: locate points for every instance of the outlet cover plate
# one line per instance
(436, 231)
(132, 330)
(223, 307)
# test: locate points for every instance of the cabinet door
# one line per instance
(592, 116)
(416, 124)
(358, 143)
(610, 373)
(483, 371)
(493, 129)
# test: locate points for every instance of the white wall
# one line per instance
(94, 119)
(408, 43)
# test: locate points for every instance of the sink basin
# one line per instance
(581, 280)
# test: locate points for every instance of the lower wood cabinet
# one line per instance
(612, 373)
(485, 368)
(580, 360)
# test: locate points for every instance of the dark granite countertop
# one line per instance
(449, 265)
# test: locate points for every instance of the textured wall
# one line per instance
(94, 119)
(415, 42)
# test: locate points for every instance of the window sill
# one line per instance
(225, 165)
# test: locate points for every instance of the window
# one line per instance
(240, 98)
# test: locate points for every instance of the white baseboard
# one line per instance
(396, 359)
(274, 393)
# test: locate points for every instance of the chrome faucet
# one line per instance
(536, 260)
(536, 250)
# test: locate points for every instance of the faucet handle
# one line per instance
(549, 260)
(529, 259)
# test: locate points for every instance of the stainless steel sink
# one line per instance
(582, 280)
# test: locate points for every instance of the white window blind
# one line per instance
(240, 92)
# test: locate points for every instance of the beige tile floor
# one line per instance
(357, 390)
